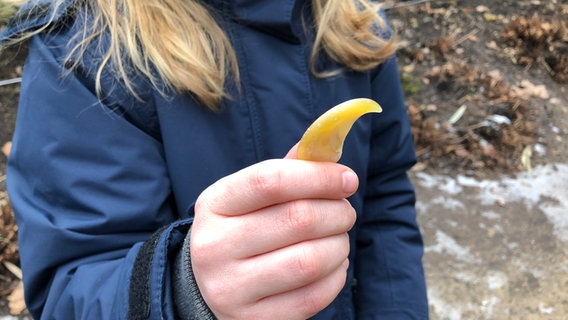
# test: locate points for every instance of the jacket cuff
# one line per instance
(188, 300)
(152, 281)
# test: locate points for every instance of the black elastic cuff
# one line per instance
(188, 300)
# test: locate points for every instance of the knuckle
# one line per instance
(266, 180)
(313, 302)
(205, 250)
(200, 204)
(199, 253)
(343, 251)
(350, 213)
(220, 296)
(306, 264)
(300, 216)
(211, 200)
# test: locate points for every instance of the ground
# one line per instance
(486, 88)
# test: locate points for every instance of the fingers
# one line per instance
(273, 235)
(301, 279)
(306, 301)
(277, 181)
(294, 266)
(289, 223)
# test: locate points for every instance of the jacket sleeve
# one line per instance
(390, 277)
(98, 228)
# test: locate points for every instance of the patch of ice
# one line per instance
(491, 215)
(443, 309)
(498, 228)
(499, 119)
(442, 183)
(453, 224)
(543, 309)
(549, 181)
(451, 187)
(448, 203)
(512, 245)
(465, 276)
(537, 273)
(488, 306)
(426, 180)
(496, 280)
(447, 245)
(421, 207)
(467, 181)
(540, 150)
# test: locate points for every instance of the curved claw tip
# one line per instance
(323, 140)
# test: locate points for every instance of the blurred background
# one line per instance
(487, 94)
(486, 88)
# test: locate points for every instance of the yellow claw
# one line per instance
(323, 140)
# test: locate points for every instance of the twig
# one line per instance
(545, 65)
(409, 3)
(10, 81)
(14, 269)
(476, 126)
(404, 4)
(422, 151)
(464, 38)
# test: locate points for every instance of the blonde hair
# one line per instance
(178, 42)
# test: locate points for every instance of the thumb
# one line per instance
(293, 153)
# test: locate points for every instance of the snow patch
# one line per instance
(544, 188)
(496, 280)
(447, 245)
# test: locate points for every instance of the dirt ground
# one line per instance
(486, 88)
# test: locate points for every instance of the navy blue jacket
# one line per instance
(103, 188)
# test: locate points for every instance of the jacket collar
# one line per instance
(281, 18)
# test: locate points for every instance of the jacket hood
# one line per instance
(281, 18)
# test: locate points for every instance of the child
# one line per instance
(153, 170)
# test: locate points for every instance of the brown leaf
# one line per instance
(418, 167)
(16, 301)
(526, 90)
(6, 148)
(462, 153)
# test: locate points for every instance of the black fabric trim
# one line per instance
(189, 302)
(139, 293)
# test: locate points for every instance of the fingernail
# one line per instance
(350, 182)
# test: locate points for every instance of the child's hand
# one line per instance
(270, 241)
